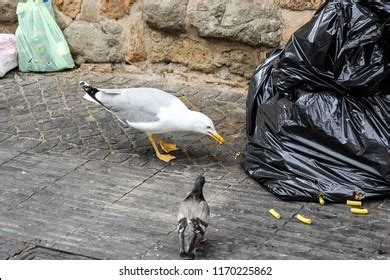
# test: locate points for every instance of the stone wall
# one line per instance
(225, 38)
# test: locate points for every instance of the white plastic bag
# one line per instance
(8, 53)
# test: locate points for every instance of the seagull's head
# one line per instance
(203, 124)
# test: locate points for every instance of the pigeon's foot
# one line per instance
(167, 147)
(166, 158)
(203, 241)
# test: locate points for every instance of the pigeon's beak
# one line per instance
(215, 135)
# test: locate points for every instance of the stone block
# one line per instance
(8, 27)
(115, 9)
(136, 50)
(90, 11)
(194, 54)
(93, 42)
(92, 67)
(293, 20)
(165, 15)
(62, 19)
(249, 23)
(8, 10)
(301, 4)
(71, 8)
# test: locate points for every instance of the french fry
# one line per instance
(321, 199)
(274, 213)
(303, 219)
(354, 203)
(359, 210)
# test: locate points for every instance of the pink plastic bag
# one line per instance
(8, 53)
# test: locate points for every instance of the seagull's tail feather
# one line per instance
(91, 93)
(89, 98)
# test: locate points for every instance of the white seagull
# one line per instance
(153, 111)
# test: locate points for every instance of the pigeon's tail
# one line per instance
(91, 93)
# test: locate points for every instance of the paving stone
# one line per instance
(41, 253)
(9, 247)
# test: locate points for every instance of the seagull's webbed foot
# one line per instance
(167, 157)
(167, 147)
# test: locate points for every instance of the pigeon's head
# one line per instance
(189, 238)
(200, 181)
(203, 124)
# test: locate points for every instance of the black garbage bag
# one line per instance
(318, 110)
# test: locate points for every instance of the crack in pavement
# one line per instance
(14, 157)
(27, 248)
(31, 247)
(286, 222)
(138, 185)
(46, 186)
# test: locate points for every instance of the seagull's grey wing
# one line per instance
(135, 104)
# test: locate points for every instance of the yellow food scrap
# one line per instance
(322, 200)
(354, 203)
(274, 213)
(237, 155)
(359, 210)
(303, 219)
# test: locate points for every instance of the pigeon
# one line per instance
(153, 111)
(193, 219)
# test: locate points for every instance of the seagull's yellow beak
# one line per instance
(216, 137)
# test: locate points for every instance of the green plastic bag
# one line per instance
(41, 45)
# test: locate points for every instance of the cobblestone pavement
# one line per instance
(76, 184)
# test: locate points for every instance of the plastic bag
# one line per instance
(8, 53)
(318, 110)
(41, 45)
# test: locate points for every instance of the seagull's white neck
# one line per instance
(182, 120)
(186, 120)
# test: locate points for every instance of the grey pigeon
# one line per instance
(193, 219)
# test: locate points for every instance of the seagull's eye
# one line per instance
(208, 127)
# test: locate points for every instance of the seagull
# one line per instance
(153, 111)
(193, 219)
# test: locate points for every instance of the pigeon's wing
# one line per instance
(204, 212)
(194, 209)
(136, 104)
